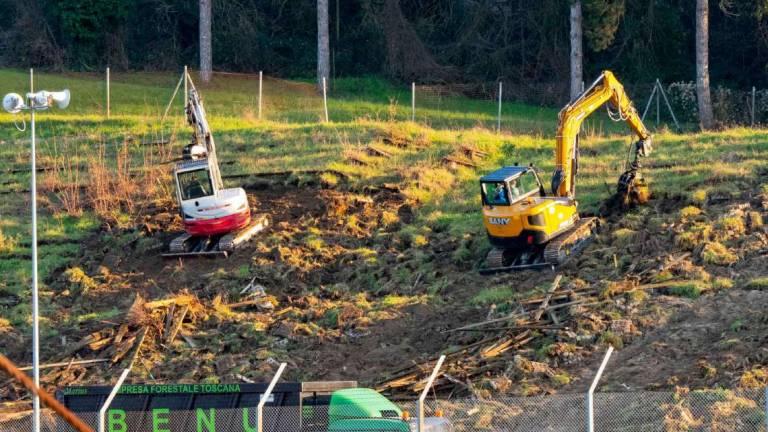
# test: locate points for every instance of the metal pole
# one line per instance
(50, 401)
(107, 92)
(173, 97)
(186, 88)
(666, 101)
(658, 109)
(260, 93)
(590, 402)
(268, 393)
(325, 100)
(35, 306)
(498, 122)
(766, 408)
(753, 106)
(413, 101)
(650, 99)
(426, 390)
(112, 394)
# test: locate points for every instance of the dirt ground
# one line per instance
(346, 296)
(706, 342)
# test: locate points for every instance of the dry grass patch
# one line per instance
(689, 212)
(718, 254)
(760, 284)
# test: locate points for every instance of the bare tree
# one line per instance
(706, 118)
(206, 51)
(577, 53)
(323, 44)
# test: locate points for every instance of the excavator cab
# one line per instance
(509, 185)
(194, 183)
(520, 219)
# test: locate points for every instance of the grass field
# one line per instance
(103, 174)
(292, 138)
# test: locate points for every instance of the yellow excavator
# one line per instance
(529, 228)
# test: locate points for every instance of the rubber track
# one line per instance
(562, 248)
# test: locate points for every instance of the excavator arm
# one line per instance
(605, 88)
(203, 138)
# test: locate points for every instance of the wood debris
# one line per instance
(454, 161)
(377, 151)
(493, 354)
(473, 152)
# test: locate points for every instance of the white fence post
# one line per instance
(413, 101)
(590, 393)
(498, 123)
(325, 100)
(426, 391)
(112, 394)
(260, 93)
(186, 88)
(753, 105)
(268, 393)
(107, 92)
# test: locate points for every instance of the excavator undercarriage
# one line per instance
(188, 245)
(556, 252)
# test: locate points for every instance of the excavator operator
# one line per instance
(500, 195)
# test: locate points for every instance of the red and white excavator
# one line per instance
(216, 220)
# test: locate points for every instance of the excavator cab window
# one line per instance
(195, 184)
(504, 193)
(525, 185)
(495, 193)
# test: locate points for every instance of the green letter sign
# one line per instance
(116, 421)
(246, 424)
(157, 420)
(209, 421)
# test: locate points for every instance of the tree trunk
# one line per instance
(323, 44)
(706, 117)
(577, 53)
(206, 51)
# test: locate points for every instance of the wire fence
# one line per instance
(507, 104)
(676, 102)
(717, 410)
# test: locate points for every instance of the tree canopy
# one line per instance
(426, 40)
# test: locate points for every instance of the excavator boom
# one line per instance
(606, 88)
(203, 137)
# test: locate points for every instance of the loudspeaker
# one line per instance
(13, 103)
(46, 99)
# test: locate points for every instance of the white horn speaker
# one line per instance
(61, 98)
(13, 103)
(43, 99)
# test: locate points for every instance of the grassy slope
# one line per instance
(362, 110)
